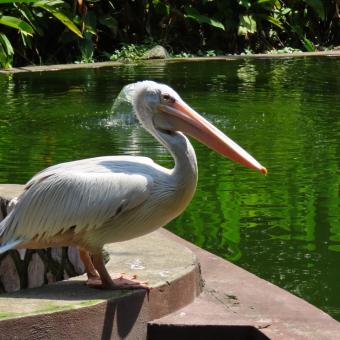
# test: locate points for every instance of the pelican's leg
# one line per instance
(120, 281)
(89, 267)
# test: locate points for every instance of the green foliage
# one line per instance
(54, 8)
(86, 49)
(209, 53)
(30, 19)
(247, 25)
(62, 31)
(6, 51)
(184, 55)
(19, 24)
(286, 49)
(129, 52)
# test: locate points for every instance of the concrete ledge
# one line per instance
(61, 67)
(8, 191)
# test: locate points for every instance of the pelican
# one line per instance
(91, 202)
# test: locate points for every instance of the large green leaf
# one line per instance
(51, 7)
(266, 1)
(6, 44)
(273, 20)
(3, 58)
(6, 51)
(19, 24)
(247, 25)
(26, 40)
(309, 46)
(30, 18)
(68, 23)
(51, 3)
(318, 7)
(193, 14)
(269, 5)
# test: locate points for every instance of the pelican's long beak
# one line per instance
(185, 119)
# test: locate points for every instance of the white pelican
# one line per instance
(91, 202)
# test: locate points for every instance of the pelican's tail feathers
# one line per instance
(9, 245)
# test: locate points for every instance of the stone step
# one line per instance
(236, 304)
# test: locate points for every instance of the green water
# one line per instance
(284, 227)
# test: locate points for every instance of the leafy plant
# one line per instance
(6, 51)
(184, 55)
(286, 49)
(247, 25)
(130, 52)
(26, 17)
(86, 49)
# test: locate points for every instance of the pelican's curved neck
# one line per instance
(183, 153)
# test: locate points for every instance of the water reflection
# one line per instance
(284, 227)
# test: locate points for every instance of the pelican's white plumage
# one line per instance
(91, 202)
(82, 194)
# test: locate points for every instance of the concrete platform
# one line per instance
(8, 191)
(71, 310)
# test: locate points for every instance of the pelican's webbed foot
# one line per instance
(117, 281)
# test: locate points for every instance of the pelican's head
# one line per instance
(161, 110)
(147, 98)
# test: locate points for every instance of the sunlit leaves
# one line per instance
(52, 7)
(309, 46)
(273, 21)
(29, 18)
(6, 51)
(18, 2)
(16, 23)
(247, 25)
(6, 44)
(271, 2)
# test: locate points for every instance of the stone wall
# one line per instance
(34, 268)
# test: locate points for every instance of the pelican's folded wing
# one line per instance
(54, 203)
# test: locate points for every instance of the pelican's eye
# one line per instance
(168, 99)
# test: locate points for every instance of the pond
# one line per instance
(284, 227)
